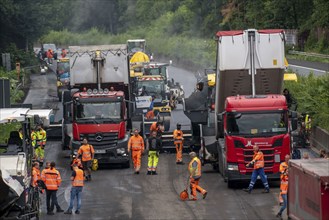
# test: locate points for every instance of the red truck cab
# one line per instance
(261, 120)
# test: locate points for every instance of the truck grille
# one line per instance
(268, 158)
(102, 140)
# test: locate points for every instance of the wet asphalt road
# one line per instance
(116, 193)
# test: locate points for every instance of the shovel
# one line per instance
(184, 194)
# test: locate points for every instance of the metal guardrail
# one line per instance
(320, 138)
(308, 54)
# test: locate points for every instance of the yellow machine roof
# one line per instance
(139, 57)
(211, 79)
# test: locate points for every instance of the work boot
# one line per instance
(248, 190)
(204, 195)
(154, 173)
(77, 212)
(50, 213)
(266, 190)
(68, 212)
(137, 172)
(60, 210)
(89, 177)
(279, 215)
(148, 173)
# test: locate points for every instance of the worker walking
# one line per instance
(87, 152)
(76, 190)
(136, 145)
(194, 169)
(283, 186)
(178, 141)
(52, 179)
(258, 163)
(154, 146)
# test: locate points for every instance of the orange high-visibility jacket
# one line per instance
(153, 127)
(283, 168)
(194, 168)
(136, 143)
(35, 176)
(77, 161)
(284, 184)
(258, 160)
(78, 179)
(150, 114)
(178, 136)
(86, 151)
(52, 178)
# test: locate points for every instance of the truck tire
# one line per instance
(166, 122)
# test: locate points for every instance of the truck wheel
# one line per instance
(166, 123)
(230, 184)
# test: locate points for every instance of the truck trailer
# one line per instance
(308, 189)
(98, 105)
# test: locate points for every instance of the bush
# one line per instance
(16, 92)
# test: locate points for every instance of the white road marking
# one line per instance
(311, 69)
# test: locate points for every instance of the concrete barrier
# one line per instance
(320, 138)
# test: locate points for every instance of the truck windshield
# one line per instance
(155, 71)
(257, 123)
(135, 46)
(151, 88)
(104, 111)
(63, 67)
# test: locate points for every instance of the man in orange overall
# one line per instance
(87, 151)
(35, 174)
(52, 178)
(258, 163)
(136, 145)
(194, 169)
(283, 189)
(178, 141)
(283, 170)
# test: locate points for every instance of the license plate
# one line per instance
(100, 151)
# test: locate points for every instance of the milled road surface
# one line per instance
(116, 193)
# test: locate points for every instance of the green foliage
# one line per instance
(16, 92)
(5, 130)
(312, 94)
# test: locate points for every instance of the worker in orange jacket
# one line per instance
(150, 114)
(283, 171)
(64, 53)
(52, 179)
(194, 169)
(178, 141)
(136, 145)
(283, 192)
(77, 178)
(87, 152)
(258, 163)
(157, 127)
(35, 174)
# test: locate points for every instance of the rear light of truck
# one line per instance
(122, 130)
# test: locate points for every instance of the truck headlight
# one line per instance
(233, 167)
(121, 151)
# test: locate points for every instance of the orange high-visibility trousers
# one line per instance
(179, 151)
(136, 155)
(194, 185)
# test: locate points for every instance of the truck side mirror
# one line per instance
(294, 120)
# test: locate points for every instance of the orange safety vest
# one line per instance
(52, 178)
(194, 168)
(86, 151)
(78, 179)
(284, 185)
(258, 160)
(178, 136)
(35, 176)
(153, 127)
(136, 143)
(283, 168)
(150, 115)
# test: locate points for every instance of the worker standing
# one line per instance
(283, 170)
(194, 168)
(178, 141)
(87, 151)
(41, 136)
(76, 190)
(33, 138)
(136, 145)
(258, 163)
(35, 174)
(20, 131)
(64, 53)
(153, 145)
(52, 178)
(283, 188)
(50, 55)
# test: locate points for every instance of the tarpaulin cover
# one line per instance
(229, 33)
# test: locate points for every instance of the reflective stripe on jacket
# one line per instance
(78, 179)
(52, 178)
(41, 137)
(86, 151)
(258, 160)
(136, 143)
(33, 138)
(194, 168)
(35, 176)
